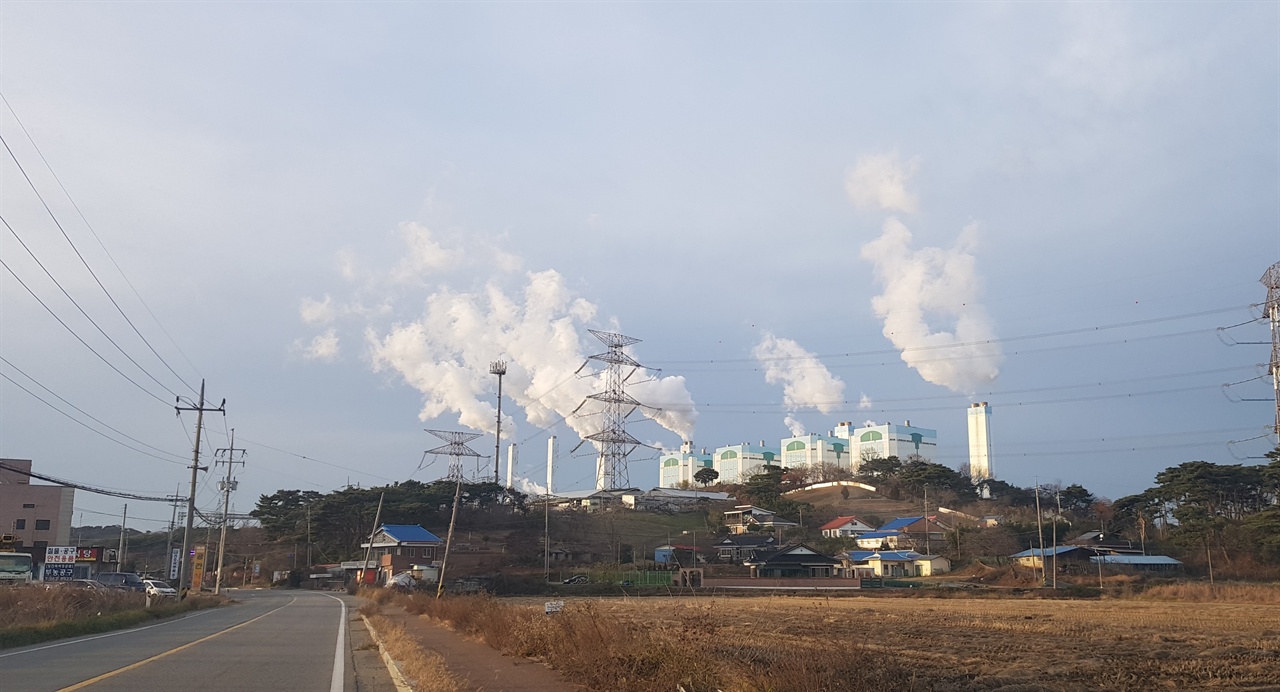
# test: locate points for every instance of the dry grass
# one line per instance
(425, 669)
(814, 643)
(33, 614)
(1197, 592)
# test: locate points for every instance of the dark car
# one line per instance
(127, 581)
(579, 579)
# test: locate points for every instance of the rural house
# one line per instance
(877, 540)
(921, 531)
(797, 560)
(845, 527)
(742, 518)
(738, 547)
(894, 563)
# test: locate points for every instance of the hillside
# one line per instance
(861, 503)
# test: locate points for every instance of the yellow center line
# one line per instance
(157, 657)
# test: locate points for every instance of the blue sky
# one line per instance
(294, 189)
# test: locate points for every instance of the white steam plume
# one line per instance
(930, 305)
(806, 382)
(530, 319)
(880, 181)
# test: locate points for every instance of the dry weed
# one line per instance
(1198, 592)
(424, 668)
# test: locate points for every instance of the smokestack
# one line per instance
(551, 461)
(980, 442)
(602, 480)
(686, 447)
(512, 455)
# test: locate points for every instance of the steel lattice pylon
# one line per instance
(1271, 279)
(614, 442)
(456, 449)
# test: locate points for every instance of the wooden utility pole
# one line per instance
(183, 573)
(448, 540)
(124, 517)
(377, 517)
(1040, 531)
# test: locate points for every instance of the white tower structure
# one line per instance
(551, 462)
(980, 442)
(512, 455)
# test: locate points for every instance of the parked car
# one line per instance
(89, 584)
(577, 579)
(127, 581)
(155, 587)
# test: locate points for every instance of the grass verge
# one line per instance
(425, 669)
(26, 633)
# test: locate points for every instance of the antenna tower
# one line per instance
(614, 442)
(456, 448)
(1271, 279)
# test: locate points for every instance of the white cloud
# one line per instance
(323, 347)
(879, 181)
(317, 311)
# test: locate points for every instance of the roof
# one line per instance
(1047, 552)
(880, 534)
(840, 521)
(746, 540)
(1135, 560)
(900, 523)
(691, 494)
(887, 556)
(409, 533)
(799, 554)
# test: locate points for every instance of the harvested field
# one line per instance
(977, 644)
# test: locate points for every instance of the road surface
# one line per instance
(268, 640)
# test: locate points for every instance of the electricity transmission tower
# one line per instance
(456, 447)
(615, 444)
(1271, 279)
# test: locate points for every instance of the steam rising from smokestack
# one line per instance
(929, 304)
(806, 382)
(530, 318)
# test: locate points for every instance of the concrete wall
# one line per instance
(22, 501)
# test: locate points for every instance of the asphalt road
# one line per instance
(269, 640)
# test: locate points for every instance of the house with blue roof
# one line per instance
(396, 548)
(921, 532)
(893, 563)
(876, 540)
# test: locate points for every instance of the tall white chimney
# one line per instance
(551, 462)
(980, 442)
(512, 454)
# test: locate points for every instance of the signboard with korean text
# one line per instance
(175, 561)
(88, 554)
(197, 568)
(59, 571)
(60, 555)
(554, 606)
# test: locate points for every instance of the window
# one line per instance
(671, 461)
(42, 524)
(795, 446)
(871, 435)
(19, 524)
(28, 505)
(729, 455)
(413, 552)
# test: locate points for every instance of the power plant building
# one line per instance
(737, 463)
(889, 440)
(678, 468)
(812, 450)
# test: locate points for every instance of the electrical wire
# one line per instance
(84, 487)
(102, 245)
(77, 336)
(84, 262)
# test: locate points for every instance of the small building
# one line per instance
(797, 560)
(894, 563)
(921, 531)
(1063, 554)
(881, 540)
(846, 527)
(738, 547)
(678, 555)
(1139, 563)
(670, 499)
(742, 518)
(395, 547)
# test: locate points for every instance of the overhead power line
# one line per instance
(88, 488)
(102, 245)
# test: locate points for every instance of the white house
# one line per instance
(845, 527)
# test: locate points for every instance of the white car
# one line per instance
(155, 587)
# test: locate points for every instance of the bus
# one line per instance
(15, 568)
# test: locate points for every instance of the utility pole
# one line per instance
(1040, 530)
(1055, 540)
(124, 517)
(183, 573)
(499, 368)
(227, 486)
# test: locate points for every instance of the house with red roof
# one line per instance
(845, 527)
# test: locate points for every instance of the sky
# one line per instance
(337, 215)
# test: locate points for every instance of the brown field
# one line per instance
(778, 642)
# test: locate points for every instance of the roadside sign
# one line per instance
(60, 555)
(554, 606)
(175, 561)
(59, 572)
(197, 568)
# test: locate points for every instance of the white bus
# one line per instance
(15, 568)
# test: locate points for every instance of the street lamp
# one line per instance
(499, 368)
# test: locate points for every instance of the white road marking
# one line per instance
(340, 651)
(103, 636)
